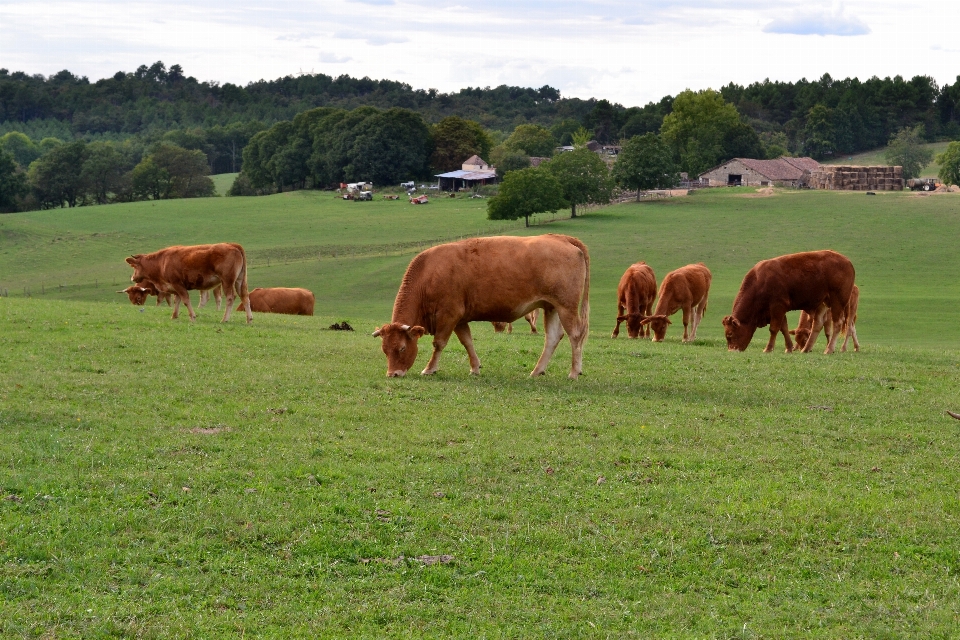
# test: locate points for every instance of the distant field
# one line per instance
(223, 182)
(875, 157)
(164, 479)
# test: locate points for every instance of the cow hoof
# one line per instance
(425, 372)
(573, 376)
(535, 373)
(474, 373)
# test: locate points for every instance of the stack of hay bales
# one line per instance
(855, 178)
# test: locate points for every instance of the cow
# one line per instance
(497, 279)
(635, 295)
(685, 288)
(295, 302)
(138, 293)
(804, 281)
(847, 323)
(179, 269)
(531, 318)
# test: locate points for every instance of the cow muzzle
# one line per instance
(396, 374)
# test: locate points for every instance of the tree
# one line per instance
(102, 171)
(13, 182)
(57, 177)
(506, 160)
(906, 149)
(563, 131)
(389, 147)
(583, 176)
(187, 169)
(20, 147)
(524, 193)
(149, 181)
(603, 120)
(741, 141)
(696, 129)
(533, 140)
(949, 162)
(818, 133)
(455, 140)
(645, 162)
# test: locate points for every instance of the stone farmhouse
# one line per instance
(782, 171)
(474, 171)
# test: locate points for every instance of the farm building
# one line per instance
(782, 171)
(474, 171)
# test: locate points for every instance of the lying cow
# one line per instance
(179, 269)
(847, 323)
(635, 295)
(805, 281)
(138, 293)
(497, 279)
(531, 318)
(685, 288)
(295, 302)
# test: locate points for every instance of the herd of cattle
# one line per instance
(502, 279)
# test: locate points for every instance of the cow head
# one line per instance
(659, 325)
(499, 327)
(137, 294)
(400, 346)
(737, 333)
(802, 334)
(138, 271)
(634, 323)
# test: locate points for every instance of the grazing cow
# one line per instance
(686, 288)
(138, 293)
(179, 269)
(806, 281)
(295, 302)
(847, 323)
(531, 318)
(635, 294)
(497, 279)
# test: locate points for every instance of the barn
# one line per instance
(473, 172)
(782, 171)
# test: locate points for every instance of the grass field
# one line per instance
(223, 182)
(876, 157)
(168, 479)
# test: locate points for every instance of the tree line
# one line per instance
(820, 117)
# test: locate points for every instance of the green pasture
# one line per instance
(223, 181)
(163, 478)
(876, 157)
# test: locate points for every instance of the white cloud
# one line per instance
(333, 58)
(818, 23)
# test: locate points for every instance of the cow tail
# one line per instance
(585, 299)
(242, 291)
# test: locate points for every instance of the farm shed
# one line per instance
(856, 178)
(782, 171)
(475, 171)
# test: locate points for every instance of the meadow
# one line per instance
(167, 479)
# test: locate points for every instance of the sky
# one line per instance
(630, 52)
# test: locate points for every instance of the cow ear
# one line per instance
(646, 320)
(793, 332)
(621, 318)
(416, 332)
(132, 260)
(668, 320)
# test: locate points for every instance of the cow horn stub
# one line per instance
(953, 415)
(376, 334)
(405, 327)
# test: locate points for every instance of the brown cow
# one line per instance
(138, 293)
(847, 323)
(531, 318)
(685, 288)
(635, 294)
(497, 279)
(295, 302)
(179, 269)
(804, 281)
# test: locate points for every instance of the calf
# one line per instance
(138, 293)
(295, 302)
(686, 288)
(635, 295)
(805, 281)
(847, 323)
(531, 318)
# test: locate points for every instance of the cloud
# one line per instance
(333, 58)
(819, 23)
(373, 2)
(371, 38)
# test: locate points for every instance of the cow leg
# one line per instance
(439, 342)
(778, 324)
(218, 294)
(204, 297)
(852, 332)
(552, 334)
(686, 321)
(616, 329)
(183, 295)
(570, 320)
(835, 311)
(466, 339)
(532, 319)
(231, 291)
(819, 319)
(646, 328)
